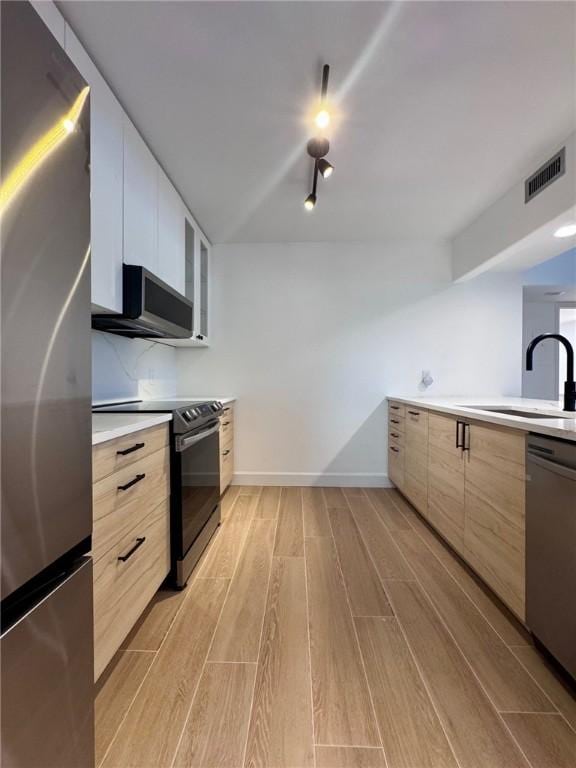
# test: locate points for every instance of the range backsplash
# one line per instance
(131, 368)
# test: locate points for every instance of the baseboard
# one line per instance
(331, 479)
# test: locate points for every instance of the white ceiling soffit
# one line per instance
(440, 106)
(511, 234)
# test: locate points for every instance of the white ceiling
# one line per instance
(441, 106)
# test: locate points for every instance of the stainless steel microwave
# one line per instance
(150, 308)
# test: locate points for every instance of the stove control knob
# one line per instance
(186, 415)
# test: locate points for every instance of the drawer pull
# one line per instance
(132, 482)
(394, 449)
(225, 423)
(135, 447)
(136, 546)
(394, 421)
(458, 443)
(225, 453)
(414, 413)
(394, 434)
(395, 407)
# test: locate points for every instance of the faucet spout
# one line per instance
(569, 384)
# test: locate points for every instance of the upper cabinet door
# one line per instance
(140, 201)
(171, 234)
(202, 328)
(106, 181)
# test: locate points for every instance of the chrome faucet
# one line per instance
(569, 385)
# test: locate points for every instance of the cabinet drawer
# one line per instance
(396, 464)
(122, 500)
(416, 428)
(396, 409)
(396, 422)
(226, 423)
(395, 436)
(116, 454)
(226, 469)
(417, 492)
(226, 437)
(123, 588)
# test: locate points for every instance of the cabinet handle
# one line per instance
(395, 407)
(225, 453)
(414, 413)
(394, 449)
(394, 434)
(135, 447)
(394, 421)
(136, 546)
(458, 443)
(225, 423)
(132, 482)
(466, 439)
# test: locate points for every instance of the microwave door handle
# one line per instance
(186, 442)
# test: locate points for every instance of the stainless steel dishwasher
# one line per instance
(551, 546)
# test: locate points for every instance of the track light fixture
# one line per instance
(319, 146)
(310, 202)
(325, 168)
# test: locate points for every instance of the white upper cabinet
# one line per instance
(140, 201)
(202, 328)
(106, 181)
(171, 234)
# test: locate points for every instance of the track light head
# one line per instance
(310, 202)
(325, 168)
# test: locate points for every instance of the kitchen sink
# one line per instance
(516, 412)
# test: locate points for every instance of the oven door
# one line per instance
(196, 483)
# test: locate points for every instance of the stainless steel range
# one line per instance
(194, 476)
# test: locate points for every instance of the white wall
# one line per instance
(130, 369)
(541, 382)
(312, 337)
(541, 315)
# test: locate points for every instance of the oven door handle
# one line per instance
(182, 443)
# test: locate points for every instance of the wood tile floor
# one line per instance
(330, 628)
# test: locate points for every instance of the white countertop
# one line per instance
(459, 406)
(108, 426)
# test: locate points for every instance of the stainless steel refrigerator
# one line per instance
(46, 645)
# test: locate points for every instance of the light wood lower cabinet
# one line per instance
(494, 528)
(126, 579)
(396, 464)
(131, 534)
(445, 479)
(226, 447)
(416, 458)
(468, 480)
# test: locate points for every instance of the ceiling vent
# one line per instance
(545, 175)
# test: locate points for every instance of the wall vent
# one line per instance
(545, 175)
